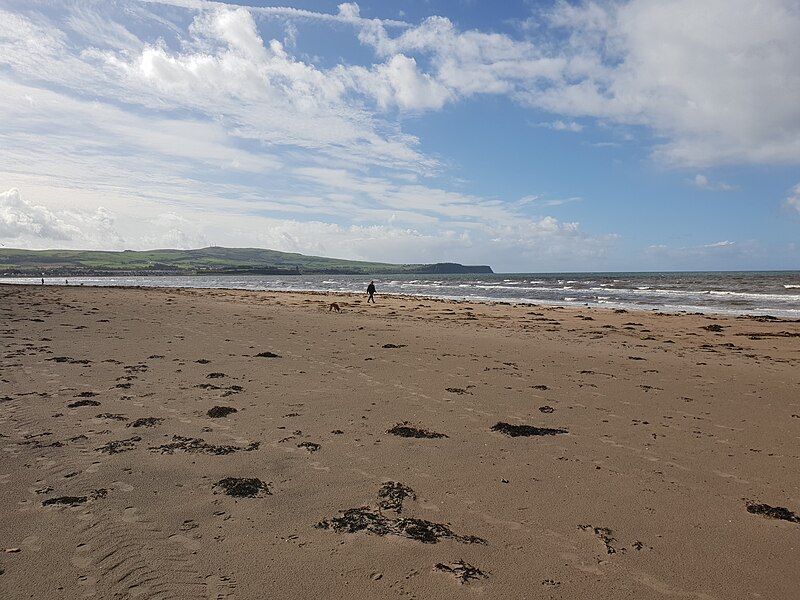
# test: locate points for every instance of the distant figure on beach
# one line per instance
(42, 280)
(371, 292)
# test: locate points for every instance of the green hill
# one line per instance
(203, 261)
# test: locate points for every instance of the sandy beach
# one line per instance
(175, 443)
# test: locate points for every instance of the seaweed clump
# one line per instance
(145, 422)
(405, 430)
(78, 403)
(117, 446)
(773, 512)
(66, 501)
(392, 494)
(200, 446)
(605, 535)
(354, 520)
(220, 411)
(462, 570)
(526, 430)
(244, 487)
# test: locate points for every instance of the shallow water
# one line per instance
(775, 293)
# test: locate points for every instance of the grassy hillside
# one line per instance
(213, 260)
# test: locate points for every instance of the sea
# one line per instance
(772, 293)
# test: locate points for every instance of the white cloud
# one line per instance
(717, 79)
(560, 125)
(702, 182)
(25, 223)
(792, 202)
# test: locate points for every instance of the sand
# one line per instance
(163, 443)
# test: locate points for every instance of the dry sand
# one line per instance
(668, 446)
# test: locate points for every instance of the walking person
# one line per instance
(371, 292)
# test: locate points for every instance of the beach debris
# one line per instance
(546, 409)
(112, 416)
(86, 395)
(462, 570)
(200, 446)
(117, 446)
(267, 354)
(773, 512)
(66, 501)
(354, 520)
(394, 345)
(67, 359)
(372, 521)
(405, 430)
(75, 500)
(714, 327)
(526, 430)
(146, 422)
(392, 494)
(79, 403)
(604, 534)
(243, 487)
(459, 391)
(539, 387)
(220, 411)
(202, 361)
(215, 375)
(228, 391)
(310, 446)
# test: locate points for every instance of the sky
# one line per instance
(530, 135)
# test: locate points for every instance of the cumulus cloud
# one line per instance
(717, 79)
(21, 219)
(36, 225)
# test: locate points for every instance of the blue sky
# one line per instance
(529, 135)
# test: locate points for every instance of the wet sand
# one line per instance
(226, 444)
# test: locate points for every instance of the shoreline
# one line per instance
(231, 443)
(518, 303)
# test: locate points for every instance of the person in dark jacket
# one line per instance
(371, 292)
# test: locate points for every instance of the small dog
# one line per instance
(335, 307)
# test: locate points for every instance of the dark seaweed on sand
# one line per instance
(773, 512)
(605, 535)
(200, 446)
(221, 411)
(117, 446)
(463, 571)
(392, 494)
(145, 422)
(310, 446)
(66, 501)
(405, 430)
(243, 487)
(267, 355)
(78, 403)
(525, 430)
(112, 416)
(75, 500)
(354, 520)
